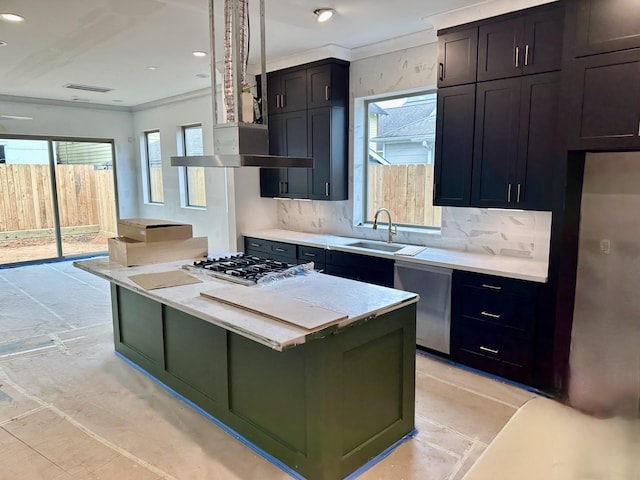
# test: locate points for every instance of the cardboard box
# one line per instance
(128, 252)
(153, 230)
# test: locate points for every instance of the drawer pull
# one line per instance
(278, 249)
(490, 315)
(487, 349)
(492, 287)
(255, 244)
(309, 254)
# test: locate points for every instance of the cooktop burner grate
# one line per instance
(239, 268)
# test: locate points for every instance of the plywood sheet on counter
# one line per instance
(278, 307)
(151, 281)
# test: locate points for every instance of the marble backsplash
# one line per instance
(524, 234)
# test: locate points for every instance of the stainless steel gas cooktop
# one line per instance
(239, 268)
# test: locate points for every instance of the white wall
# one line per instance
(232, 195)
(65, 119)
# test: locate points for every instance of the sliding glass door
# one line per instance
(57, 198)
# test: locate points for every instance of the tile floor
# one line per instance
(71, 409)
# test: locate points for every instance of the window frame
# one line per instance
(365, 153)
(183, 139)
(146, 134)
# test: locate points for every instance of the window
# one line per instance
(154, 166)
(398, 157)
(194, 184)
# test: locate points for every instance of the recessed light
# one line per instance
(16, 117)
(11, 17)
(199, 53)
(324, 14)
(2, 43)
(152, 67)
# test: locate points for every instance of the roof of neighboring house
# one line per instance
(406, 122)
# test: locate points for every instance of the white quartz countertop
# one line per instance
(359, 301)
(500, 265)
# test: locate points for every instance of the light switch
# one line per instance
(605, 246)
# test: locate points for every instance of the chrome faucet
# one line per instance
(393, 230)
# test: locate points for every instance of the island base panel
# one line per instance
(323, 408)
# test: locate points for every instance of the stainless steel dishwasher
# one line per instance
(433, 284)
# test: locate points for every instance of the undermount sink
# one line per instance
(384, 247)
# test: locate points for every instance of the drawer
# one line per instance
(511, 310)
(518, 373)
(311, 254)
(256, 244)
(268, 248)
(285, 250)
(494, 284)
(493, 341)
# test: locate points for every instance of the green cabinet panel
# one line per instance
(195, 352)
(267, 389)
(373, 400)
(142, 330)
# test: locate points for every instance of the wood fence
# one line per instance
(85, 197)
(395, 183)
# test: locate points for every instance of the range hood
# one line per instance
(241, 145)
(237, 143)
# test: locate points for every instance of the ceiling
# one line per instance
(111, 43)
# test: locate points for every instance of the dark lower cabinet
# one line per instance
(605, 103)
(493, 323)
(281, 251)
(363, 268)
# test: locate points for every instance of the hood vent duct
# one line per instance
(238, 143)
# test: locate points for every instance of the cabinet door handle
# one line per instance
(282, 97)
(490, 350)
(517, 59)
(639, 129)
(518, 198)
(490, 315)
(286, 187)
(509, 194)
(441, 69)
(492, 287)
(326, 188)
(526, 55)
(277, 101)
(326, 93)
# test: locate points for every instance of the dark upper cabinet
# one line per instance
(287, 136)
(521, 45)
(599, 26)
(454, 145)
(327, 85)
(539, 149)
(496, 142)
(515, 146)
(457, 57)
(304, 131)
(605, 102)
(287, 91)
(327, 143)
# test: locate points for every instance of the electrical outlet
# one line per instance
(605, 246)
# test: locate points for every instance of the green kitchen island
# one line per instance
(323, 402)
